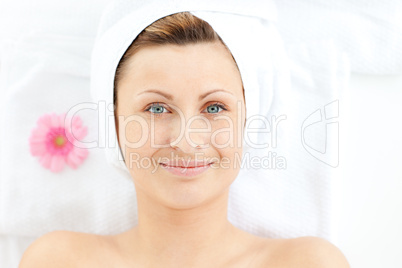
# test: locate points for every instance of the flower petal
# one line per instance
(57, 163)
(61, 119)
(54, 119)
(80, 133)
(73, 160)
(45, 121)
(40, 130)
(77, 122)
(39, 134)
(82, 152)
(76, 157)
(38, 149)
(37, 140)
(45, 160)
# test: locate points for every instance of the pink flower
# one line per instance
(56, 145)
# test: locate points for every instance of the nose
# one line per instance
(191, 135)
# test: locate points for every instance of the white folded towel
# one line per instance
(97, 198)
(44, 74)
(12, 249)
(247, 30)
(370, 32)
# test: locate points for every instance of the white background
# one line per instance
(370, 164)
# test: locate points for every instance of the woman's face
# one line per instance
(181, 134)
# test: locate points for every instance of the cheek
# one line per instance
(226, 132)
(141, 133)
(161, 131)
(134, 140)
(133, 132)
(142, 139)
(226, 138)
(222, 134)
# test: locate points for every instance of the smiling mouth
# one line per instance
(197, 165)
(191, 170)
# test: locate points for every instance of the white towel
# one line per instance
(97, 198)
(74, 17)
(370, 32)
(12, 249)
(43, 74)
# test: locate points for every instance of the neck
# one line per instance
(183, 237)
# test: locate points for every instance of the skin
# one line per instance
(182, 222)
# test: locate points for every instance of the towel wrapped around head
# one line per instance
(247, 32)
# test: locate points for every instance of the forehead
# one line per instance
(201, 65)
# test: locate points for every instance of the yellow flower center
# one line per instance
(59, 141)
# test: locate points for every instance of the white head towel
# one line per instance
(246, 30)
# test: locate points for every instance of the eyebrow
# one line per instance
(170, 97)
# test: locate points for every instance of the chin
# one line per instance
(178, 192)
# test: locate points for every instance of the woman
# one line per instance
(179, 77)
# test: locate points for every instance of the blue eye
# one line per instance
(215, 108)
(156, 109)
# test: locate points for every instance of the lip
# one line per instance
(185, 164)
(186, 169)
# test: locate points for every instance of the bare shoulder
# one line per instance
(307, 251)
(318, 252)
(60, 249)
(48, 250)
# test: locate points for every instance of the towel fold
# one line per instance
(370, 32)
